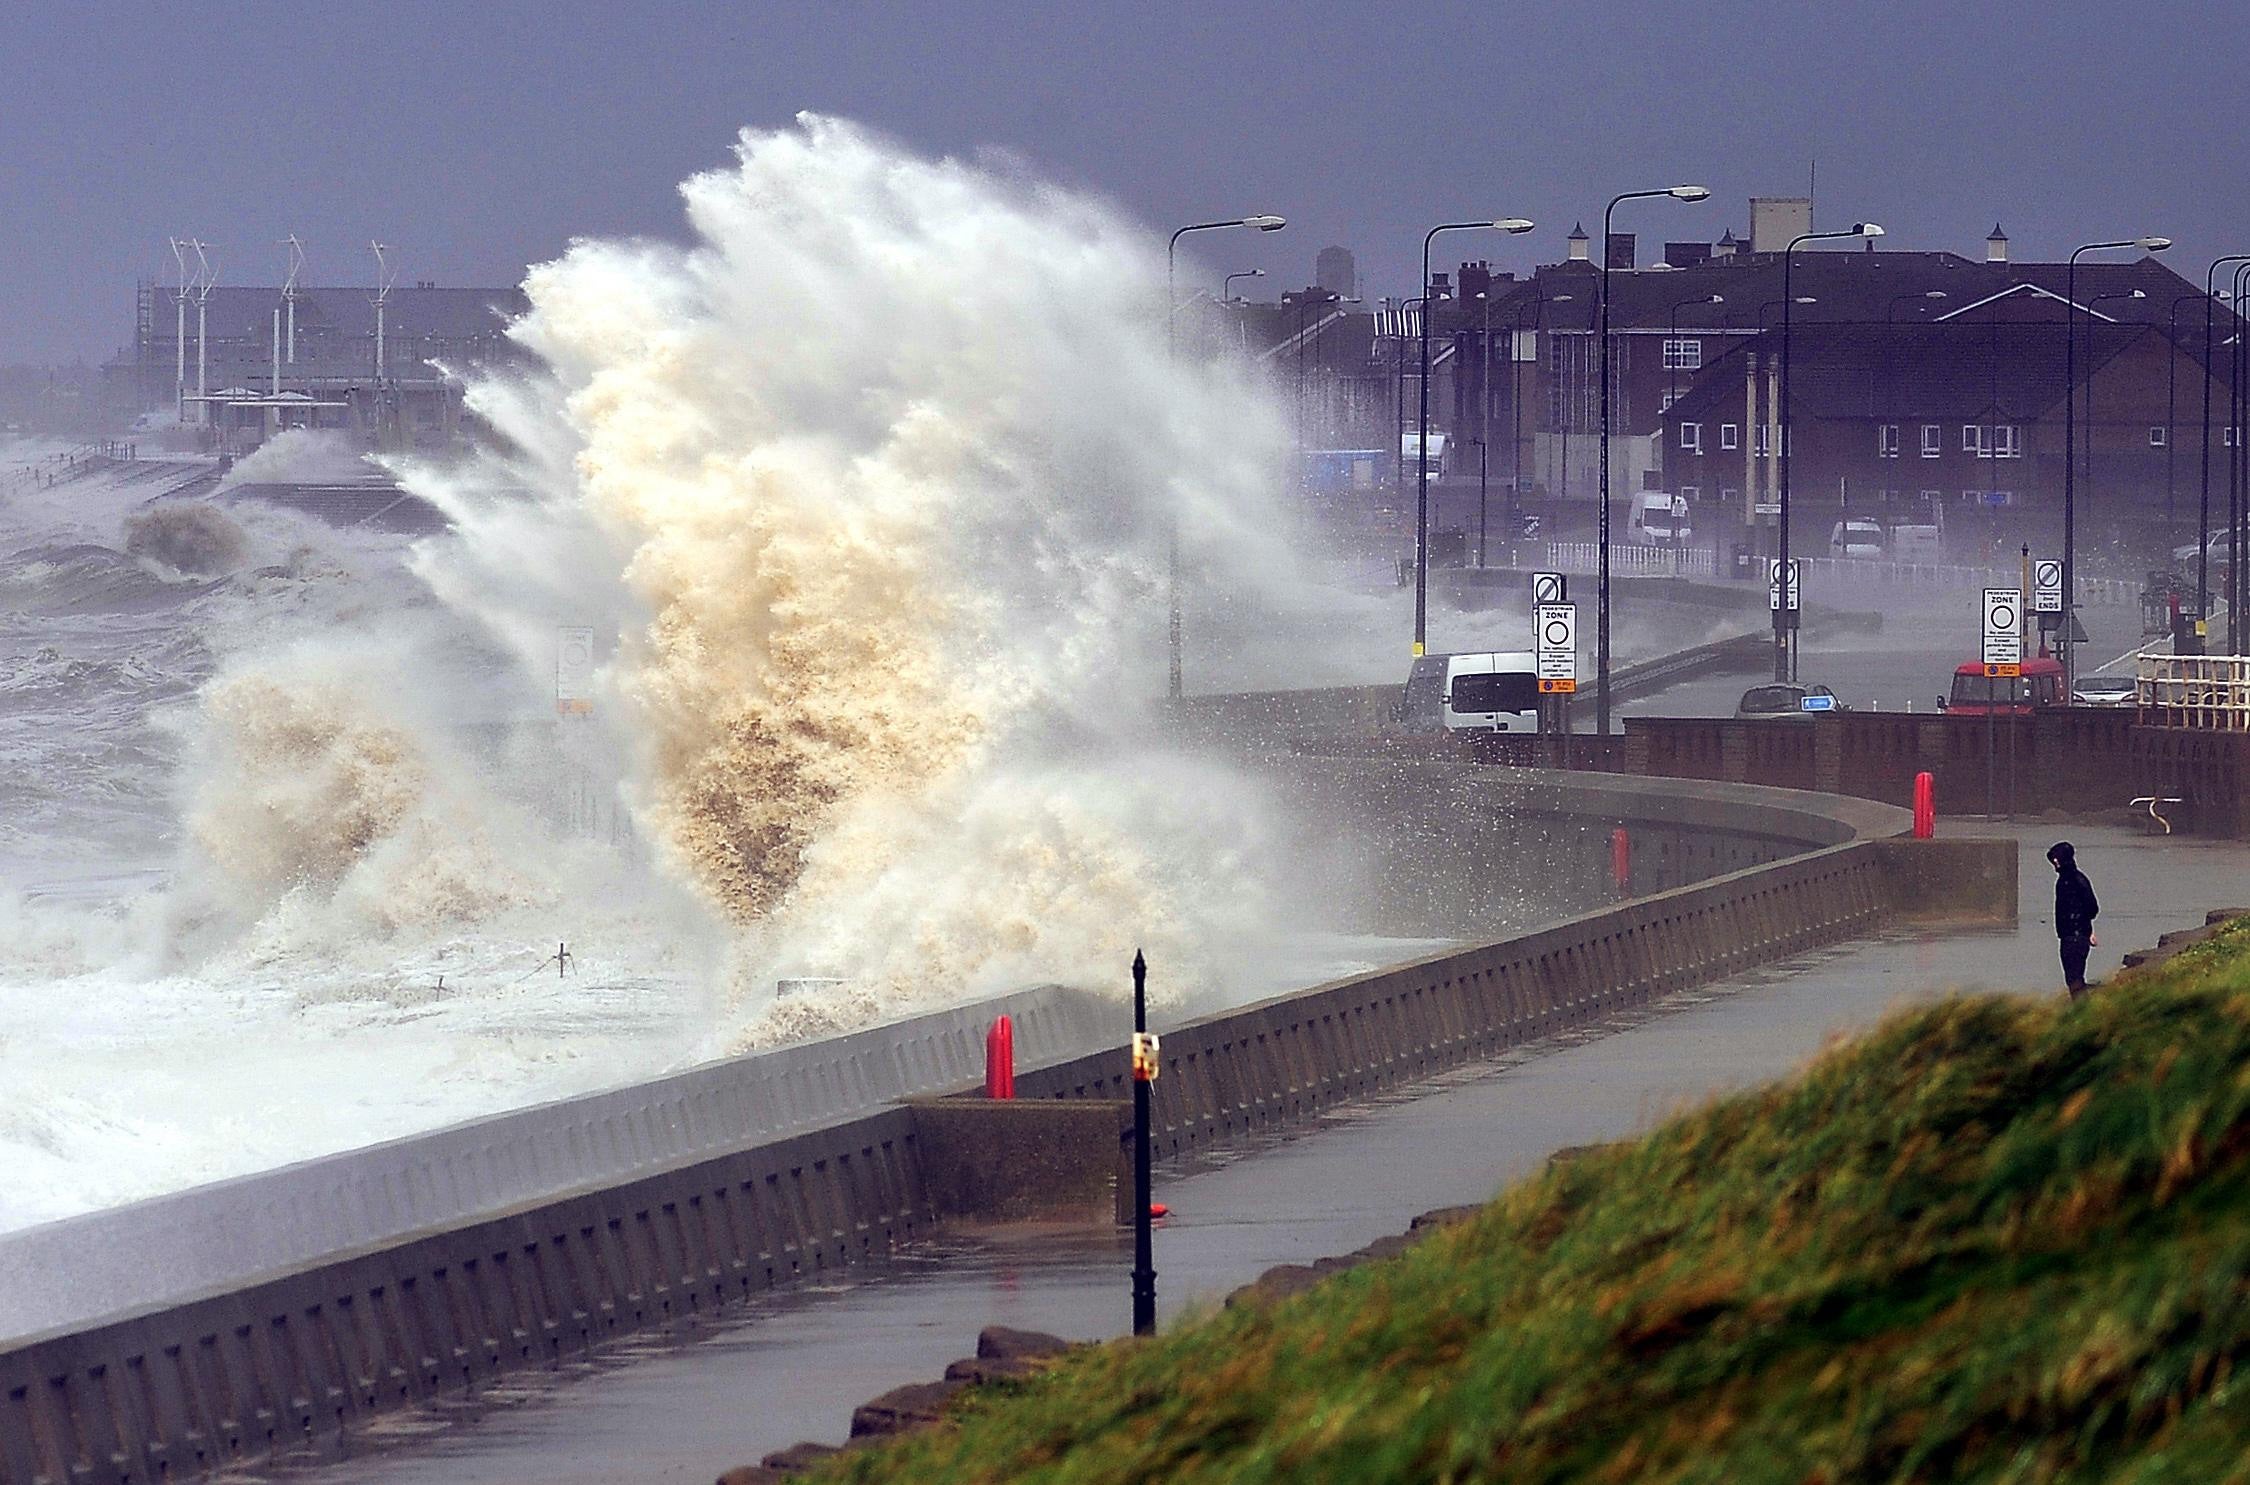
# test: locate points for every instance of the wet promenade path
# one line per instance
(794, 1367)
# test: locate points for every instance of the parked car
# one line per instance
(1856, 537)
(2105, 690)
(1783, 699)
(1975, 693)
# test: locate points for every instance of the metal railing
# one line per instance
(1631, 559)
(2092, 591)
(2210, 692)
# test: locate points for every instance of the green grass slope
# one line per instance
(1994, 1240)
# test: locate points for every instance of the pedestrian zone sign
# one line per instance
(1555, 630)
(2046, 587)
(2003, 630)
(1773, 584)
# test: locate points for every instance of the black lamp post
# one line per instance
(1601, 580)
(2203, 454)
(1671, 371)
(1784, 618)
(2171, 418)
(2237, 405)
(1422, 445)
(2091, 306)
(2070, 441)
(1226, 285)
(1171, 350)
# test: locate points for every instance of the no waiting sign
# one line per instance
(1555, 631)
(2003, 626)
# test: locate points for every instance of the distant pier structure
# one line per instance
(241, 364)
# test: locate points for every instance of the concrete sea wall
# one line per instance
(701, 1206)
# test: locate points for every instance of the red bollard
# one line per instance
(1000, 1059)
(1621, 858)
(1925, 806)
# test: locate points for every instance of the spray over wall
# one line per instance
(872, 482)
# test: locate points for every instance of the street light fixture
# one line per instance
(1784, 617)
(2235, 467)
(2070, 440)
(1672, 383)
(1601, 581)
(1226, 285)
(1171, 352)
(1512, 226)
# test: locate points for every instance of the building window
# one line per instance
(2229, 439)
(1932, 440)
(1761, 435)
(1730, 436)
(1886, 441)
(2158, 436)
(1997, 441)
(1691, 437)
(1691, 493)
(1683, 355)
(1729, 494)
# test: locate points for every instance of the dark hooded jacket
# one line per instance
(2075, 906)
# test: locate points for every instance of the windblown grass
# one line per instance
(1994, 1240)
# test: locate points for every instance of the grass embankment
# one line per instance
(1993, 1240)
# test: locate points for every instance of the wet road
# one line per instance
(795, 1367)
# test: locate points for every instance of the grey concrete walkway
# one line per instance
(795, 1367)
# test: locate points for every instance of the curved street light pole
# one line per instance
(2235, 469)
(1784, 618)
(1171, 353)
(2091, 307)
(1226, 285)
(1510, 225)
(2171, 417)
(2203, 516)
(2070, 442)
(1601, 580)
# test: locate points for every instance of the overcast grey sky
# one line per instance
(483, 136)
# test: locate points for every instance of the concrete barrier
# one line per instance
(291, 1361)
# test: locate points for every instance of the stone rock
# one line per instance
(752, 1474)
(999, 1343)
(903, 1408)
(1442, 1217)
(978, 1370)
(1275, 1284)
(797, 1457)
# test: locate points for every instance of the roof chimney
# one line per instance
(1579, 252)
(1996, 246)
(1621, 249)
(1726, 246)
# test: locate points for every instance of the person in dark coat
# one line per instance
(2075, 911)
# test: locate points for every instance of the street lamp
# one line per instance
(2171, 417)
(1784, 618)
(2070, 438)
(1601, 580)
(2091, 305)
(1515, 401)
(1512, 226)
(1672, 372)
(2203, 518)
(1226, 285)
(2235, 466)
(1171, 352)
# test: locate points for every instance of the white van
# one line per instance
(1659, 520)
(1857, 538)
(1497, 691)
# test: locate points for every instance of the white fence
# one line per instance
(2205, 691)
(1631, 559)
(1847, 571)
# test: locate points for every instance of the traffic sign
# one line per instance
(2002, 672)
(1773, 584)
(2003, 626)
(574, 670)
(1555, 636)
(1549, 587)
(2046, 587)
